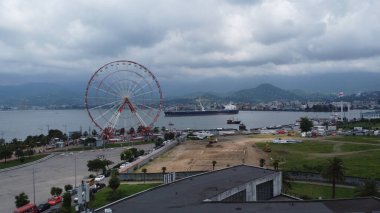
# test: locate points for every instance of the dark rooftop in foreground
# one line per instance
(193, 194)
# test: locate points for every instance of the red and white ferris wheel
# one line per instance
(123, 95)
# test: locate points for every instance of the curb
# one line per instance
(28, 164)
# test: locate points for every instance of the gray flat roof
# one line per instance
(187, 195)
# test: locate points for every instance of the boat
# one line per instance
(233, 121)
(229, 109)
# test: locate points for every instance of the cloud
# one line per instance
(188, 39)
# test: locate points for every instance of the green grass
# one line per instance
(365, 164)
(314, 191)
(13, 163)
(357, 147)
(357, 139)
(125, 190)
(312, 156)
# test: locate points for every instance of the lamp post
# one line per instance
(75, 170)
(34, 188)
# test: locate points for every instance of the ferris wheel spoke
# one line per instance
(111, 88)
(142, 94)
(147, 114)
(111, 103)
(106, 112)
(147, 83)
(115, 95)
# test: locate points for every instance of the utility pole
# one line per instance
(34, 188)
(75, 170)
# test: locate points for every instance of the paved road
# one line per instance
(57, 171)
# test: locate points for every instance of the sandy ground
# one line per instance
(196, 156)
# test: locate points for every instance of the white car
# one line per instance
(124, 165)
(99, 178)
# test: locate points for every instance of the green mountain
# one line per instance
(264, 93)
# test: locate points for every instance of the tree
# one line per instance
(55, 133)
(333, 171)
(163, 129)
(96, 165)
(114, 181)
(5, 152)
(368, 189)
(262, 162)
(156, 130)
(68, 187)
(55, 191)
(169, 136)
(76, 135)
(144, 170)
(21, 199)
(94, 132)
(85, 133)
(131, 131)
(213, 164)
(66, 201)
(122, 131)
(305, 124)
(140, 129)
(275, 164)
(163, 170)
(127, 155)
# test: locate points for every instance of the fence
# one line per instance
(310, 176)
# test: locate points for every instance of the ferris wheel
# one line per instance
(123, 95)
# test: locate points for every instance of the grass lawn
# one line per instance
(125, 190)
(311, 156)
(18, 162)
(356, 139)
(314, 191)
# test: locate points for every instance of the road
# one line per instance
(57, 171)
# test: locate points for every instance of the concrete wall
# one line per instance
(154, 176)
(250, 188)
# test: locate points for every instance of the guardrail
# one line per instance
(145, 159)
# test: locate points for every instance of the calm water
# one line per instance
(19, 124)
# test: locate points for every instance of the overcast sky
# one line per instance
(44, 40)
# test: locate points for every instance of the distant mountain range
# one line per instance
(39, 94)
(46, 94)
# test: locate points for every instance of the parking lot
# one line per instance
(57, 171)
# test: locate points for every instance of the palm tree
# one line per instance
(144, 170)
(163, 170)
(213, 164)
(275, 164)
(368, 189)
(262, 162)
(334, 171)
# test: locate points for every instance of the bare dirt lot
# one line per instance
(196, 156)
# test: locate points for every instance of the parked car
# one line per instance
(43, 206)
(99, 178)
(55, 200)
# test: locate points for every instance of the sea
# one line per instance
(21, 123)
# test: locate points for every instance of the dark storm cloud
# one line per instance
(188, 39)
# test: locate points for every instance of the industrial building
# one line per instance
(234, 189)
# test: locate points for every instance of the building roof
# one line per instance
(190, 194)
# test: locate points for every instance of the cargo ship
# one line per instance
(229, 109)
